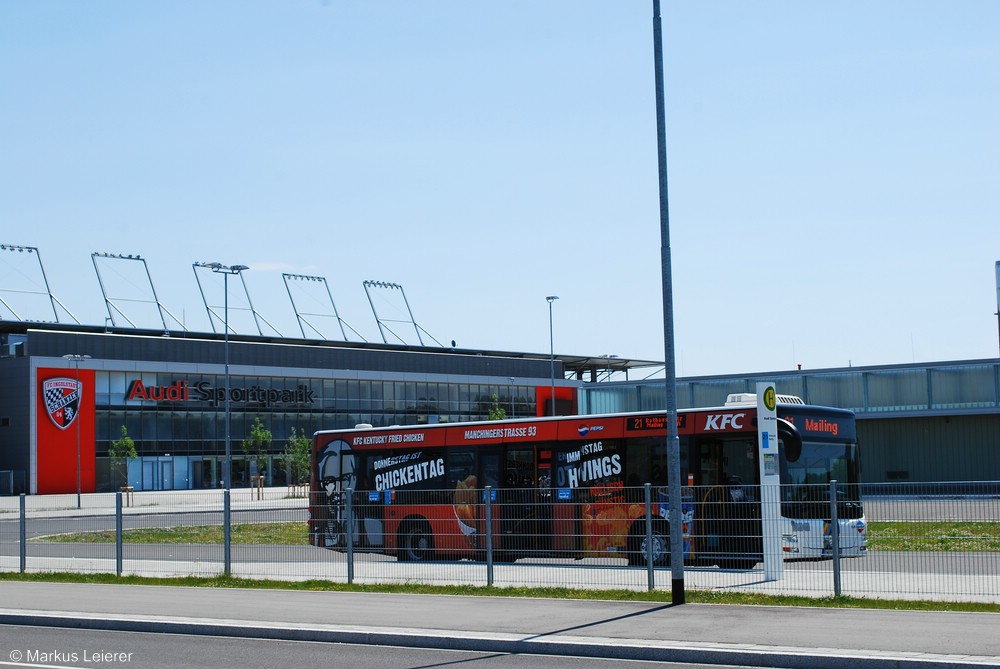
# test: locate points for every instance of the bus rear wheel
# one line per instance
(416, 543)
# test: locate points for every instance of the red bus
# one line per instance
(573, 486)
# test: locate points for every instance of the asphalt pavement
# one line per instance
(764, 636)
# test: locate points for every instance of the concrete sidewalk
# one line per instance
(789, 637)
(144, 501)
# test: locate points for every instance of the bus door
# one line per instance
(367, 505)
(490, 475)
(525, 505)
(557, 512)
(728, 510)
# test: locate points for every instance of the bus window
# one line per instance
(519, 468)
(489, 463)
(818, 464)
(544, 473)
(727, 462)
(461, 469)
(461, 477)
(636, 466)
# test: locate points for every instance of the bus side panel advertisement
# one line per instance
(397, 438)
(409, 470)
(595, 469)
(715, 422)
(602, 428)
(416, 482)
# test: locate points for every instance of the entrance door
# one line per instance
(157, 474)
(166, 481)
(195, 473)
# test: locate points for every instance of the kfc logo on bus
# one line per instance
(733, 421)
(62, 400)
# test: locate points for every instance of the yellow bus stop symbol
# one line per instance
(770, 398)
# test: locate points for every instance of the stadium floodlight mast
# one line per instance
(76, 359)
(225, 271)
(552, 355)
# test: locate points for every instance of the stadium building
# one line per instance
(66, 393)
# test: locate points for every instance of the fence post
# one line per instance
(226, 535)
(23, 530)
(835, 537)
(118, 533)
(650, 577)
(488, 494)
(349, 534)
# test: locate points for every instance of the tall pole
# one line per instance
(552, 356)
(510, 391)
(226, 270)
(76, 358)
(225, 318)
(673, 441)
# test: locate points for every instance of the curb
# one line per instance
(595, 647)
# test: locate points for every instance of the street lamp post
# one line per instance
(997, 267)
(608, 357)
(226, 270)
(552, 355)
(76, 359)
(510, 391)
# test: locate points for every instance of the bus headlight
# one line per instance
(790, 543)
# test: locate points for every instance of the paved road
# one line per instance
(46, 646)
(791, 637)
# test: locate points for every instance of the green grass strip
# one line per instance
(658, 596)
(279, 534)
(934, 537)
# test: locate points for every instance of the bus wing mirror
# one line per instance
(791, 440)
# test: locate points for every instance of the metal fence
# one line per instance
(921, 541)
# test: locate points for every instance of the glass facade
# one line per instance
(178, 421)
(913, 389)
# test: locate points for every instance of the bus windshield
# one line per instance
(805, 482)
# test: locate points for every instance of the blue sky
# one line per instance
(833, 170)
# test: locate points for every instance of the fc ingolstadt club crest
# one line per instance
(62, 400)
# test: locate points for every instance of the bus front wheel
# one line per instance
(416, 544)
(659, 547)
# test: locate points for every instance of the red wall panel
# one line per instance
(65, 417)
